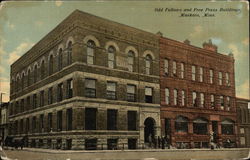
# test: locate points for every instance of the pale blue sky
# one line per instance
(22, 24)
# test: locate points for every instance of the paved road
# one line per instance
(34, 154)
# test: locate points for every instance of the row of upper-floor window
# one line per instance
(198, 73)
(180, 98)
(111, 51)
(36, 124)
(90, 91)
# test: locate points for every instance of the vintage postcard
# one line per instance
(124, 80)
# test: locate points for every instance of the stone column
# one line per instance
(101, 144)
(141, 140)
(122, 143)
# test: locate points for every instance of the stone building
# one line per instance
(90, 83)
(243, 117)
(3, 121)
(197, 95)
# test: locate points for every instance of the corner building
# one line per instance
(88, 84)
(197, 95)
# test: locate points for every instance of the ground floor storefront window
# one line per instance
(200, 126)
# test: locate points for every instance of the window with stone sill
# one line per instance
(166, 67)
(132, 118)
(111, 119)
(148, 61)
(212, 101)
(90, 52)
(90, 118)
(193, 73)
(34, 101)
(69, 53)
(69, 119)
(41, 98)
(111, 90)
(131, 57)
(60, 92)
(182, 70)
(200, 126)
(174, 69)
(51, 63)
(27, 125)
(148, 95)
(50, 95)
(227, 127)
(183, 97)
(211, 76)
(166, 95)
(194, 96)
(131, 93)
(220, 78)
(175, 96)
(181, 124)
(59, 121)
(60, 59)
(202, 99)
(69, 88)
(49, 129)
(41, 127)
(34, 124)
(222, 102)
(111, 56)
(227, 79)
(201, 74)
(42, 70)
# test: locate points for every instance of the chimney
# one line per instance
(210, 46)
(187, 41)
(159, 33)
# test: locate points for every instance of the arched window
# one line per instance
(200, 126)
(227, 127)
(35, 74)
(131, 56)
(69, 53)
(148, 64)
(90, 52)
(28, 78)
(181, 124)
(42, 70)
(175, 96)
(51, 63)
(60, 59)
(17, 84)
(23, 81)
(111, 57)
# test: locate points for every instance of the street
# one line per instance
(185, 154)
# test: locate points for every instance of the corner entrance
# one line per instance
(149, 131)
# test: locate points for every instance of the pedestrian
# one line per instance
(150, 140)
(162, 143)
(159, 142)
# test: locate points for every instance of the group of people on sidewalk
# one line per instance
(158, 142)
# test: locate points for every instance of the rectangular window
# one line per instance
(166, 95)
(90, 118)
(27, 125)
(220, 78)
(175, 96)
(193, 73)
(41, 123)
(227, 79)
(69, 88)
(202, 100)
(90, 88)
(211, 76)
(132, 118)
(34, 101)
(59, 121)
(183, 97)
(90, 55)
(131, 93)
(59, 92)
(222, 102)
(111, 60)
(50, 122)
(69, 119)
(212, 101)
(166, 66)
(111, 90)
(201, 74)
(228, 103)
(112, 119)
(194, 99)
(41, 98)
(22, 105)
(50, 96)
(174, 68)
(148, 95)
(182, 70)
(34, 124)
(28, 103)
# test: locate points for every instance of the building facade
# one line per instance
(243, 117)
(4, 121)
(88, 84)
(197, 95)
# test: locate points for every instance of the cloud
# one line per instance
(58, 3)
(235, 50)
(243, 90)
(1, 70)
(20, 50)
(197, 31)
(2, 42)
(39, 23)
(5, 88)
(246, 41)
(11, 26)
(216, 40)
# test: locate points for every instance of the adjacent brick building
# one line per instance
(197, 95)
(88, 84)
(243, 117)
